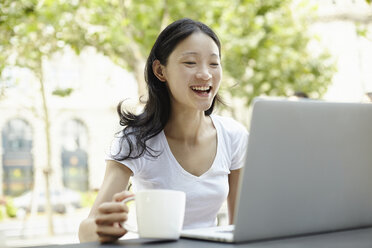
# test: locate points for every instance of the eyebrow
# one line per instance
(195, 53)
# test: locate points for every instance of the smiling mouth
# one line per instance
(201, 89)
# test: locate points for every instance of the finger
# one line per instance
(109, 219)
(118, 197)
(113, 231)
(107, 239)
(112, 207)
(109, 233)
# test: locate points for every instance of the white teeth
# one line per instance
(201, 88)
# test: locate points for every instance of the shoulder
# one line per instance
(229, 125)
(234, 138)
(126, 143)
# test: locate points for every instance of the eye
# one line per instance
(189, 63)
(215, 64)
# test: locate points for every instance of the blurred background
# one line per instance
(66, 64)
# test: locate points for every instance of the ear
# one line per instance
(158, 70)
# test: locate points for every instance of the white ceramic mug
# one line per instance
(159, 212)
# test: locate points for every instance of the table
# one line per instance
(359, 238)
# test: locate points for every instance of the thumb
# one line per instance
(118, 197)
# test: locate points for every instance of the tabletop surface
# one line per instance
(360, 238)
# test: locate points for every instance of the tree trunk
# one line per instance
(139, 76)
(48, 168)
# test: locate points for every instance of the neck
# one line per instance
(187, 127)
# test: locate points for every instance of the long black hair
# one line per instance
(140, 128)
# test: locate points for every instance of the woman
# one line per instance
(175, 143)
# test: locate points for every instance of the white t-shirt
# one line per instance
(204, 194)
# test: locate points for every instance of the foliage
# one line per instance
(2, 213)
(7, 208)
(31, 31)
(27, 34)
(363, 28)
(62, 92)
(269, 56)
(11, 210)
(265, 47)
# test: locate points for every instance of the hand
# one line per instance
(110, 214)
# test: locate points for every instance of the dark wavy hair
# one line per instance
(140, 128)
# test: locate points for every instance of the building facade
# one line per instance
(82, 124)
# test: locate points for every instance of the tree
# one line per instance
(265, 44)
(269, 54)
(27, 37)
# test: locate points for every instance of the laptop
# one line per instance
(308, 170)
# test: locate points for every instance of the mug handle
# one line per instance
(124, 224)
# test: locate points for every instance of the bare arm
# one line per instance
(103, 221)
(231, 198)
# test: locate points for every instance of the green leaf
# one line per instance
(62, 92)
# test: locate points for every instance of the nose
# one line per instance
(203, 74)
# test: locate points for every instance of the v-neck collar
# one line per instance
(179, 166)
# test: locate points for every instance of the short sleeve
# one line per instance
(239, 147)
(234, 140)
(237, 141)
(119, 148)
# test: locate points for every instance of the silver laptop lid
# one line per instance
(308, 169)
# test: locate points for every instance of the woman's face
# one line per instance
(193, 73)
